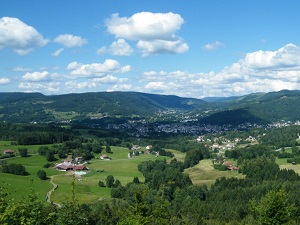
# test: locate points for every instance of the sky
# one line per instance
(207, 48)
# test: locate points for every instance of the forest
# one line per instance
(267, 194)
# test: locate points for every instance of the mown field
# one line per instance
(86, 187)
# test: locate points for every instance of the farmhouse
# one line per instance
(8, 152)
(104, 157)
(148, 147)
(67, 166)
(231, 167)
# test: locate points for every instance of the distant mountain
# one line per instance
(254, 108)
(232, 117)
(267, 107)
(28, 107)
(219, 99)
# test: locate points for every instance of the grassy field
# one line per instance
(86, 187)
(32, 149)
(204, 173)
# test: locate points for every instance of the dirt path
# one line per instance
(55, 186)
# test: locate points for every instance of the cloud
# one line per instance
(285, 58)
(119, 47)
(260, 71)
(4, 80)
(19, 36)
(155, 32)
(213, 46)
(162, 47)
(36, 76)
(144, 26)
(120, 87)
(52, 87)
(21, 69)
(57, 52)
(70, 41)
(95, 82)
(156, 86)
(97, 69)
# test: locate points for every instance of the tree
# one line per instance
(107, 149)
(273, 208)
(42, 175)
(23, 152)
(50, 156)
(101, 184)
(192, 158)
(110, 181)
(17, 169)
(136, 180)
(42, 150)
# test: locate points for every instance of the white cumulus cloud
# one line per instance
(70, 41)
(4, 80)
(155, 32)
(119, 47)
(97, 69)
(213, 46)
(162, 47)
(94, 82)
(52, 87)
(260, 71)
(36, 76)
(19, 36)
(57, 52)
(120, 87)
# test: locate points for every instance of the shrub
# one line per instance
(42, 175)
(101, 184)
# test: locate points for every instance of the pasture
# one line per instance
(86, 187)
(204, 173)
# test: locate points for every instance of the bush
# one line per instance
(17, 169)
(101, 184)
(220, 167)
(47, 165)
(42, 175)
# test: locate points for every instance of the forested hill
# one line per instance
(253, 108)
(269, 107)
(28, 107)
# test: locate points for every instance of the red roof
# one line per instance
(70, 167)
(8, 151)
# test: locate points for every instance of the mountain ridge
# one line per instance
(29, 107)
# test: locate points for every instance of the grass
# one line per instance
(290, 166)
(32, 149)
(204, 173)
(86, 187)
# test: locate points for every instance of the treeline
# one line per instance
(281, 137)
(33, 134)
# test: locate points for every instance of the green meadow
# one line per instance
(86, 187)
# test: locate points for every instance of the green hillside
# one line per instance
(254, 108)
(29, 107)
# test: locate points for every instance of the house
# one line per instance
(229, 166)
(104, 157)
(68, 166)
(8, 152)
(148, 147)
(134, 147)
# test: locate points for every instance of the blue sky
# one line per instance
(186, 48)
